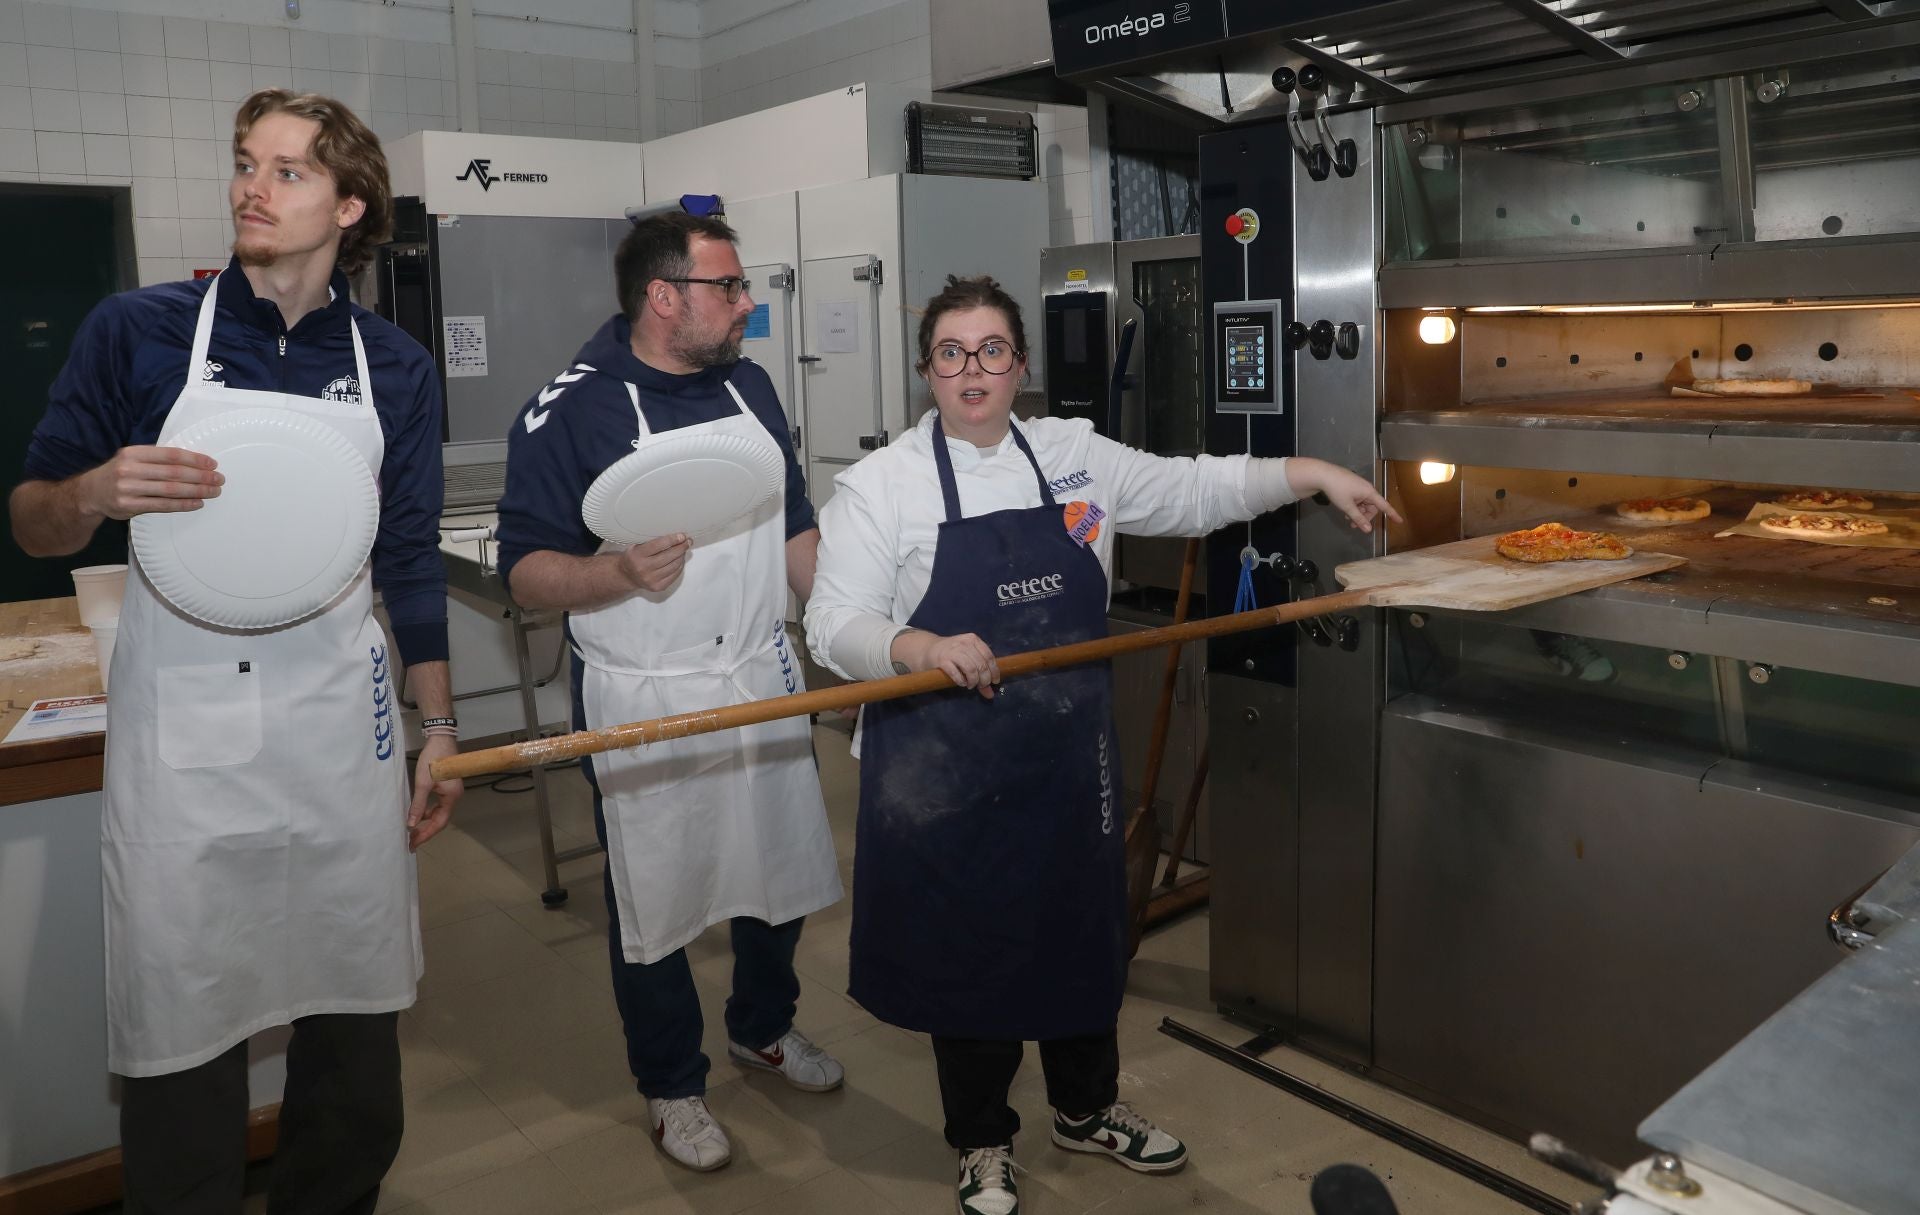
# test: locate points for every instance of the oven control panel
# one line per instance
(1246, 344)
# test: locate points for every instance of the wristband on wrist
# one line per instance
(429, 722)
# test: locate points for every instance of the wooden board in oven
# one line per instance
(1469, 576)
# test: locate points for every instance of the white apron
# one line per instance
(254, 847)
(703, 829)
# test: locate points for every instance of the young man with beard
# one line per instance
(256, 841)
(721, 827)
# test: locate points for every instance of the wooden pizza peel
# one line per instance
(1464, 576)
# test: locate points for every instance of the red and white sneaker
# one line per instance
(796, 1059)
(684, 1129)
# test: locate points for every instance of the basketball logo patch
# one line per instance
(1083, 522)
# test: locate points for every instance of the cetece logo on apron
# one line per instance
(786, 660)
(1030, 590)
(1106, 788)
(382, 705)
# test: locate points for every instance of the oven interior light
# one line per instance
(1433, 472)
(1437, 330)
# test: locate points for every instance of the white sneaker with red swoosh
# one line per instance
(683, 1128)
(1119, 1132)
(796, 1059)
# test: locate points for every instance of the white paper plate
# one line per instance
(291, 527)
(690, 483)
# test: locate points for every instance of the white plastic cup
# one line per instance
(103, 638)
(100, 588)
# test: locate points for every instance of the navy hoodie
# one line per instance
(559, 446)
(129, 363)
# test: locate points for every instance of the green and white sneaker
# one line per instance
(1124, 1135)
(986, 1182)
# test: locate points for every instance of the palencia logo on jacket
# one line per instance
(537, 415)
(346, 389)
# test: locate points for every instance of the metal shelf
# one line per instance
(1865, 443)
(1866, 267)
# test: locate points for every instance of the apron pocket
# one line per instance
(611, 698)
(209, 716)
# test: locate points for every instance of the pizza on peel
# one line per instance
(1558, 542)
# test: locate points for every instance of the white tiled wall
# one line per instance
(121, 98)
(790, 52)
(97, 95)
(749, 68)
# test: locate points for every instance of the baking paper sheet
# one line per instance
(1903, 527)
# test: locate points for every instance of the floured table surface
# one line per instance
(45, 652)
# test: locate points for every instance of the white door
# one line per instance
(840, 358)
(769, 342)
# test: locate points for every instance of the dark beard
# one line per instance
(718, 353)
(255, 255)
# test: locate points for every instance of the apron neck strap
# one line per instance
(360, 363)
(203, 332)
(203, 341)
(943, 462)
(640, 416)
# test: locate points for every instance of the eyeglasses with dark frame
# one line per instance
(734, 286)
(995, 357)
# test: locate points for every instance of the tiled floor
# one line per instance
(519, 1102)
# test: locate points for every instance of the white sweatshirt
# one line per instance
(878, 531)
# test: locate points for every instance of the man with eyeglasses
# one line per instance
(726, 827)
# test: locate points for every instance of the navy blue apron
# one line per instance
(989, 890)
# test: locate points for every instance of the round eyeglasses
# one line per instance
(950, 358)
(732, 285)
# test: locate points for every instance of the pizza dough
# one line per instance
(1822, 499)
(1558, 542)
(13, 650)
(1665, 510)
(1823, 525)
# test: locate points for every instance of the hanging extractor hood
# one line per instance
(1215, 60)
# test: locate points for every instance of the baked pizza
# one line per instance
(1665, 510)
(1558, 542)
(1822, 499)
(1823, 525)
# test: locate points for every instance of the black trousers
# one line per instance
(183, 1135)
(1083, 1077)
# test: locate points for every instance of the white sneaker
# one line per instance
(683, 1128)
(794, 1057)
(987, 1186)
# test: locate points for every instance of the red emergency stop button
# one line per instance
(1235, 225)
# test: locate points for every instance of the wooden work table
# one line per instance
(64, 665)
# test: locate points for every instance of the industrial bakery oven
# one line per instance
(1542, 868)
(1609, 828)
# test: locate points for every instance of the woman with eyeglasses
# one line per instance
(989, 894)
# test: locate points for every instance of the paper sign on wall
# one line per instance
(760, 322)
(838, 322)
(466, 345)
